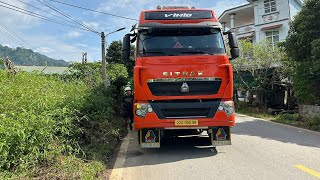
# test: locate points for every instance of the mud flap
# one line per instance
(149, 138)
(220, 136)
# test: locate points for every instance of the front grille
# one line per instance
(173, 88)
(185, 109)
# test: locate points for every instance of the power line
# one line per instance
(16, 35)
(10, 37)
(44, 10)
(66, 15)
(44, 18)
(35, 13)
(101, 12)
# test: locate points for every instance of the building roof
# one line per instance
(234, 9)
(244, 15)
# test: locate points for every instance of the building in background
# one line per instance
(261, 19)
(264, 20)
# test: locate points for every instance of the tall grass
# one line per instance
(36, 121)
(48, 125)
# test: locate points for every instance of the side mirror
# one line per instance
(234, 53)
(125, 54)
(234, 47)
(233, 43)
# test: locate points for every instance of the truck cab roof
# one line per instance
(177, 16)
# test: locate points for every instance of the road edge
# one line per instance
(285, 125)
(118, 167)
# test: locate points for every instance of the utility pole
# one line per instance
(103, 61)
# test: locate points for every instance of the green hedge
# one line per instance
(44, 118)
(36, 121)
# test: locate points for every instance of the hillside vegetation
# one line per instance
(21, 56)
(59, 126)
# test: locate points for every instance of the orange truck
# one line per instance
(183, 79)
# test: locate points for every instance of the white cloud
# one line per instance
(73, 34)
(23, 20)
(52, 46)
(8, 45)
(81, 45)
(132, 9)
(44, 50)
(93, 25)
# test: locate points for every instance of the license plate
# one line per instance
(221, 143)
(186, 122)
(150, 145)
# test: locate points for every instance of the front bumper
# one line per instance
(151, 120)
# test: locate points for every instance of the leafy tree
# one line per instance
(114, 52)
(117, 71)
(90, 73)
(256, 68)
(114, 56)
(303, 48)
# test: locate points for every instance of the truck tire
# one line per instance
(139, 137)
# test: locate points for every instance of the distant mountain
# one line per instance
(27, 57)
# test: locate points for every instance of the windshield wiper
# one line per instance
(158, 52)
(144, 51)
(196, 52)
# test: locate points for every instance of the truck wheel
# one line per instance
(209, 134)
(139, 137)
(214, 150)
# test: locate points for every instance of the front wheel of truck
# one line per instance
(139, 139)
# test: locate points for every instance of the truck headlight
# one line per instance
(142, 109)
(227, 107)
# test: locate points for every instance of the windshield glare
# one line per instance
(178, 42)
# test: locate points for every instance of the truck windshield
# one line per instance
(176, 42)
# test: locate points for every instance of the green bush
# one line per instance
(36, 121)
(312, 123)
(240, 105)
(1, 64)
(287, 117)
(46, 121)
(302, 46)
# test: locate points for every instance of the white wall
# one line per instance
(283, 31)
(281, 13)
(281, 16)
(294, 8)
(286, 10)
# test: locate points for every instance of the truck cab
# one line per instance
(182, 75)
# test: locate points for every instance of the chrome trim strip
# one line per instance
(183, 79)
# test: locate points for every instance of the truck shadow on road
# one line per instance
(278, 132)
(172, 150)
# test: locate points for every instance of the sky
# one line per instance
(67, 43)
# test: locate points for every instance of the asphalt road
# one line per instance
(259, 150)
